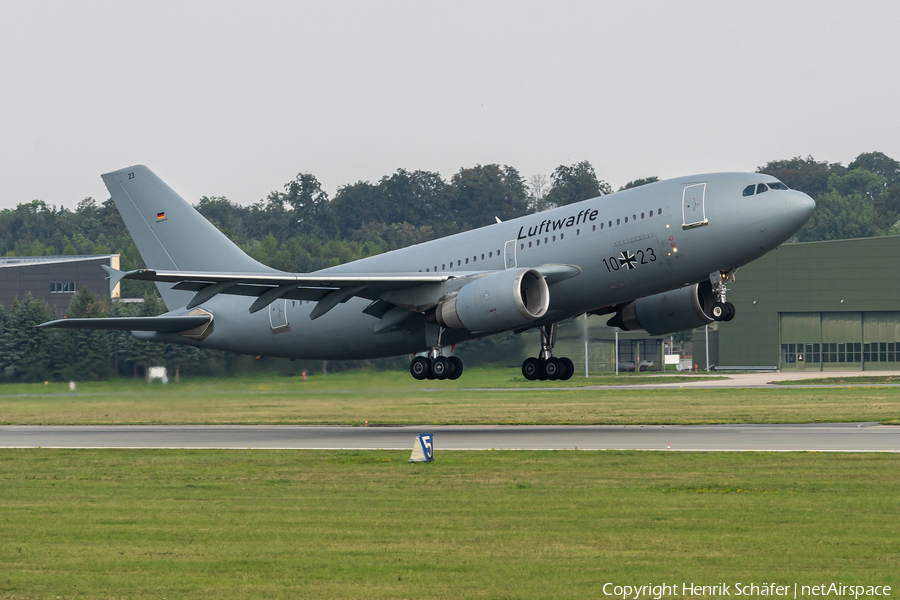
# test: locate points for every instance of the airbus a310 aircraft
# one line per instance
(656, 257)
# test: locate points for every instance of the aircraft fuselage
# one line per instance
(628, 245)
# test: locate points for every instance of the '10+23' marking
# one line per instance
(628, 260)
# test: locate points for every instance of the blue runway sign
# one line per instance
(423, 449)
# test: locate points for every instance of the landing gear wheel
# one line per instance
(719, 311)
(729, 311)
(532, 369)
(553, 368)
(456, 367)
(440, 367)
(568, 368)
(420, 368)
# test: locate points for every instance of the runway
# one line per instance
(839, 437)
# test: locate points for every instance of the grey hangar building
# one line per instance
(54, 279)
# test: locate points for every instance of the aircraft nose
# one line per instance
(798, 208)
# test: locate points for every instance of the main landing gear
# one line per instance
(547, 366)
(721, 310)
(435, 365)
(439, 367)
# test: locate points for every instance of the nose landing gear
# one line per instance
(721, 310)
(546, 366)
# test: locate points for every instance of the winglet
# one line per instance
(115, 276)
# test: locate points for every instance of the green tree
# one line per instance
(880, 164)
(29, 353)
(574, 183)
(87, 352)
(138, 354)
(224, 214)
(310, 211)
(839, 217)
(804, 174)
(418, 197)
(538, 188)
(639, 182)
(887, 204)
(382, 236)
(481, 193)
(181, 358)
(857, 181)
(266, 251)
(355, 204)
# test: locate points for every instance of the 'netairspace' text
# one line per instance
(795, 590)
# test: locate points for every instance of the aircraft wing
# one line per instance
(327, 289)
(164, 324)
(313, 280)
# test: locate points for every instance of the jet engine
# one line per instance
(498, 301)
(677, 310)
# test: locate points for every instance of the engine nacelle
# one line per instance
(496, 302)
(677, 310)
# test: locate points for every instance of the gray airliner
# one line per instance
(657, 258)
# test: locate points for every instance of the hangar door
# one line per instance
(840, 341)
(801, 341)
(881, 340)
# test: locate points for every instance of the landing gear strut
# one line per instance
(721, 310)
(435, 365)
(547, 366)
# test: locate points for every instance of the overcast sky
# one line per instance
(234, 99)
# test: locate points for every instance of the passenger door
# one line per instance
(693, 209)
(278, 316)
(510, 251)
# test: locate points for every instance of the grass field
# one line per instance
(284, 524)
(860, 380)
(394, 398)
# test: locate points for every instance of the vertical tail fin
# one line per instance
(169, 233)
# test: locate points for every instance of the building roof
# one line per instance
(18, 261)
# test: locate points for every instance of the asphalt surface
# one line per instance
(840, 437)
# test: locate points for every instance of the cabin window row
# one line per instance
(608, 224)
(459, 262)
(547, 239)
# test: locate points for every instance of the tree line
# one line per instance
(300, 229)
(859, 200)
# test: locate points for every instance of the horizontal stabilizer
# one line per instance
(115, 276)
(167, 324)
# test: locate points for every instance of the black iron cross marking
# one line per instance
(627, 260)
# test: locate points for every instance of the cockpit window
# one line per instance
(748, 191)
(778, 186)
(761, 188)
